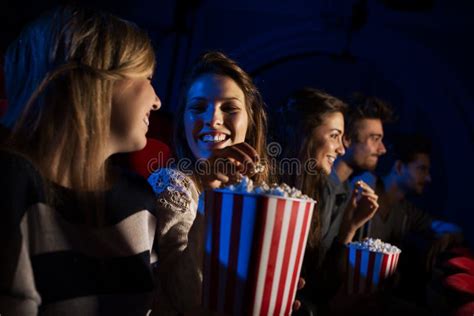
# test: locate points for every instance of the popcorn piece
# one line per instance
(259, 168)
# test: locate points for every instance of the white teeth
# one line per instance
(331, 159)
(214, 139)
(146, 121)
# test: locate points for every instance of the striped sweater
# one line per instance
(56, 262)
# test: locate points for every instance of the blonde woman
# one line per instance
(77, 235)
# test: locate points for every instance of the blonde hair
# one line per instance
(59, 77)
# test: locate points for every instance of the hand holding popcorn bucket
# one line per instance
(370, 262)
(254, 250)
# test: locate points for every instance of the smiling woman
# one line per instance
(311, 126)
(132, 101)
(328, 137)
(220, 118)
(220, 108)
(215, 116)
(77, 234)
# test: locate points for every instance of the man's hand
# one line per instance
(361, 208)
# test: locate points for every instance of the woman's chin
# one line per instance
(326, 170)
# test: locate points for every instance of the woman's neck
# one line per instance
(343, 170)
(65, 178)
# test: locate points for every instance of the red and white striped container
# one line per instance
(367, 269)
(254, 250)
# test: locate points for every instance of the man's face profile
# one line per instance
(368, 146)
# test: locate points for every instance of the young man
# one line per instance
(364, 137)
(397, 218)
(410, 173)
(399, 222)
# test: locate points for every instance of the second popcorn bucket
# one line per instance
(254, 251)
(367, 267)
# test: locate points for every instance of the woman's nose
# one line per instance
(213, 117)
(340, 149)
(156, 104)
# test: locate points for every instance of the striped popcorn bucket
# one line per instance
(367, 269)
(254, 250)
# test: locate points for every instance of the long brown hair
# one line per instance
(297, 120)
(219, 64)
(59, 76)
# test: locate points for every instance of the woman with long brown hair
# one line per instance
(220, 118)
(242, 107)
(311, 126)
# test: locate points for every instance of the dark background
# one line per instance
(416, 54)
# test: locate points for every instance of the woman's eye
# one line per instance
(230, 108)
(197, 108)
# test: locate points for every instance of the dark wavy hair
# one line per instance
(304, 111)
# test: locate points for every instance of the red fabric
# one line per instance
(460, 282)
(154, 156)
(464, 264)
(161, 127)
(465, 310)
(462, 252)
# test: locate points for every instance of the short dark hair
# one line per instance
(407, 146)
(366, 107)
